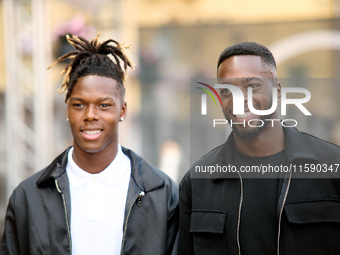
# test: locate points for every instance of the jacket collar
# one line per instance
(295, 148)
(143, 173)
(55, 169)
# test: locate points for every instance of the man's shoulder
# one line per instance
(320, 146)
(212, 156)
(316, 141)
(40, 178)
(325, 152)
(168, 182)
(30, 182)
(27, 190)
(306, 146)
(146, 174)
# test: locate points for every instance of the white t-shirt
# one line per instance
(98, 206)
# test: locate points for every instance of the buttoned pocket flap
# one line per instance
(207, 221)
(313, 212)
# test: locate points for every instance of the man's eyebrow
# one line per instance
(82, 100)
(76, 99)
(104, 98)
(248, 79)
(225, 80)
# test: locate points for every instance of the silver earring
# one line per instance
(66, 119)
(121, 118)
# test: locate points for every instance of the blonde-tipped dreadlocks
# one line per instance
(92, 58)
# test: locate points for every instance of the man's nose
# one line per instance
(91, 113)
(245, 94)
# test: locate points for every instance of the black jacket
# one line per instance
(38, 213)
(308, 209)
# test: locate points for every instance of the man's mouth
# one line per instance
(243, 116)
(91, 134)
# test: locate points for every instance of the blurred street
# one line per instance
(172, 42)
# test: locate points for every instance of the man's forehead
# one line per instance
(240, 61)
(244, 66)
(244, 80)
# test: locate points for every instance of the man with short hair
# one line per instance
(97, 197)
(231, 214)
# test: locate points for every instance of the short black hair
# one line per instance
(248, 48)
(92, 58)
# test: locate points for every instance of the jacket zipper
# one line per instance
(281, 211)
(239, 216)
(139, 197)
(280, 216)
(65, 210)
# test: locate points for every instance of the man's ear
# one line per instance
(67, 108)
(278, 87)
(123, 111)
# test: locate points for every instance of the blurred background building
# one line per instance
(172, 42)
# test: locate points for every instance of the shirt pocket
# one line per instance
(313, 212)
(208, 229)
(203, 221)
(314, 226)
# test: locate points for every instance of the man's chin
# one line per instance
(89, 148)
(243, 130)
(247, 132)
(243, 134)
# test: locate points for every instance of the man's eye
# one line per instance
(104, 105)
(224, 91)
(253, 85)
(77, 105)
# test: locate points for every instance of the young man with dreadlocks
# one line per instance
(97, 197)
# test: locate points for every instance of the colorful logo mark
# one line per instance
(204, 97)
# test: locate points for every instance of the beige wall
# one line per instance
(2, 53)
(158, 13)
(161, 12)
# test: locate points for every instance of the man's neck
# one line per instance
(94, 163)
(270, 141)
